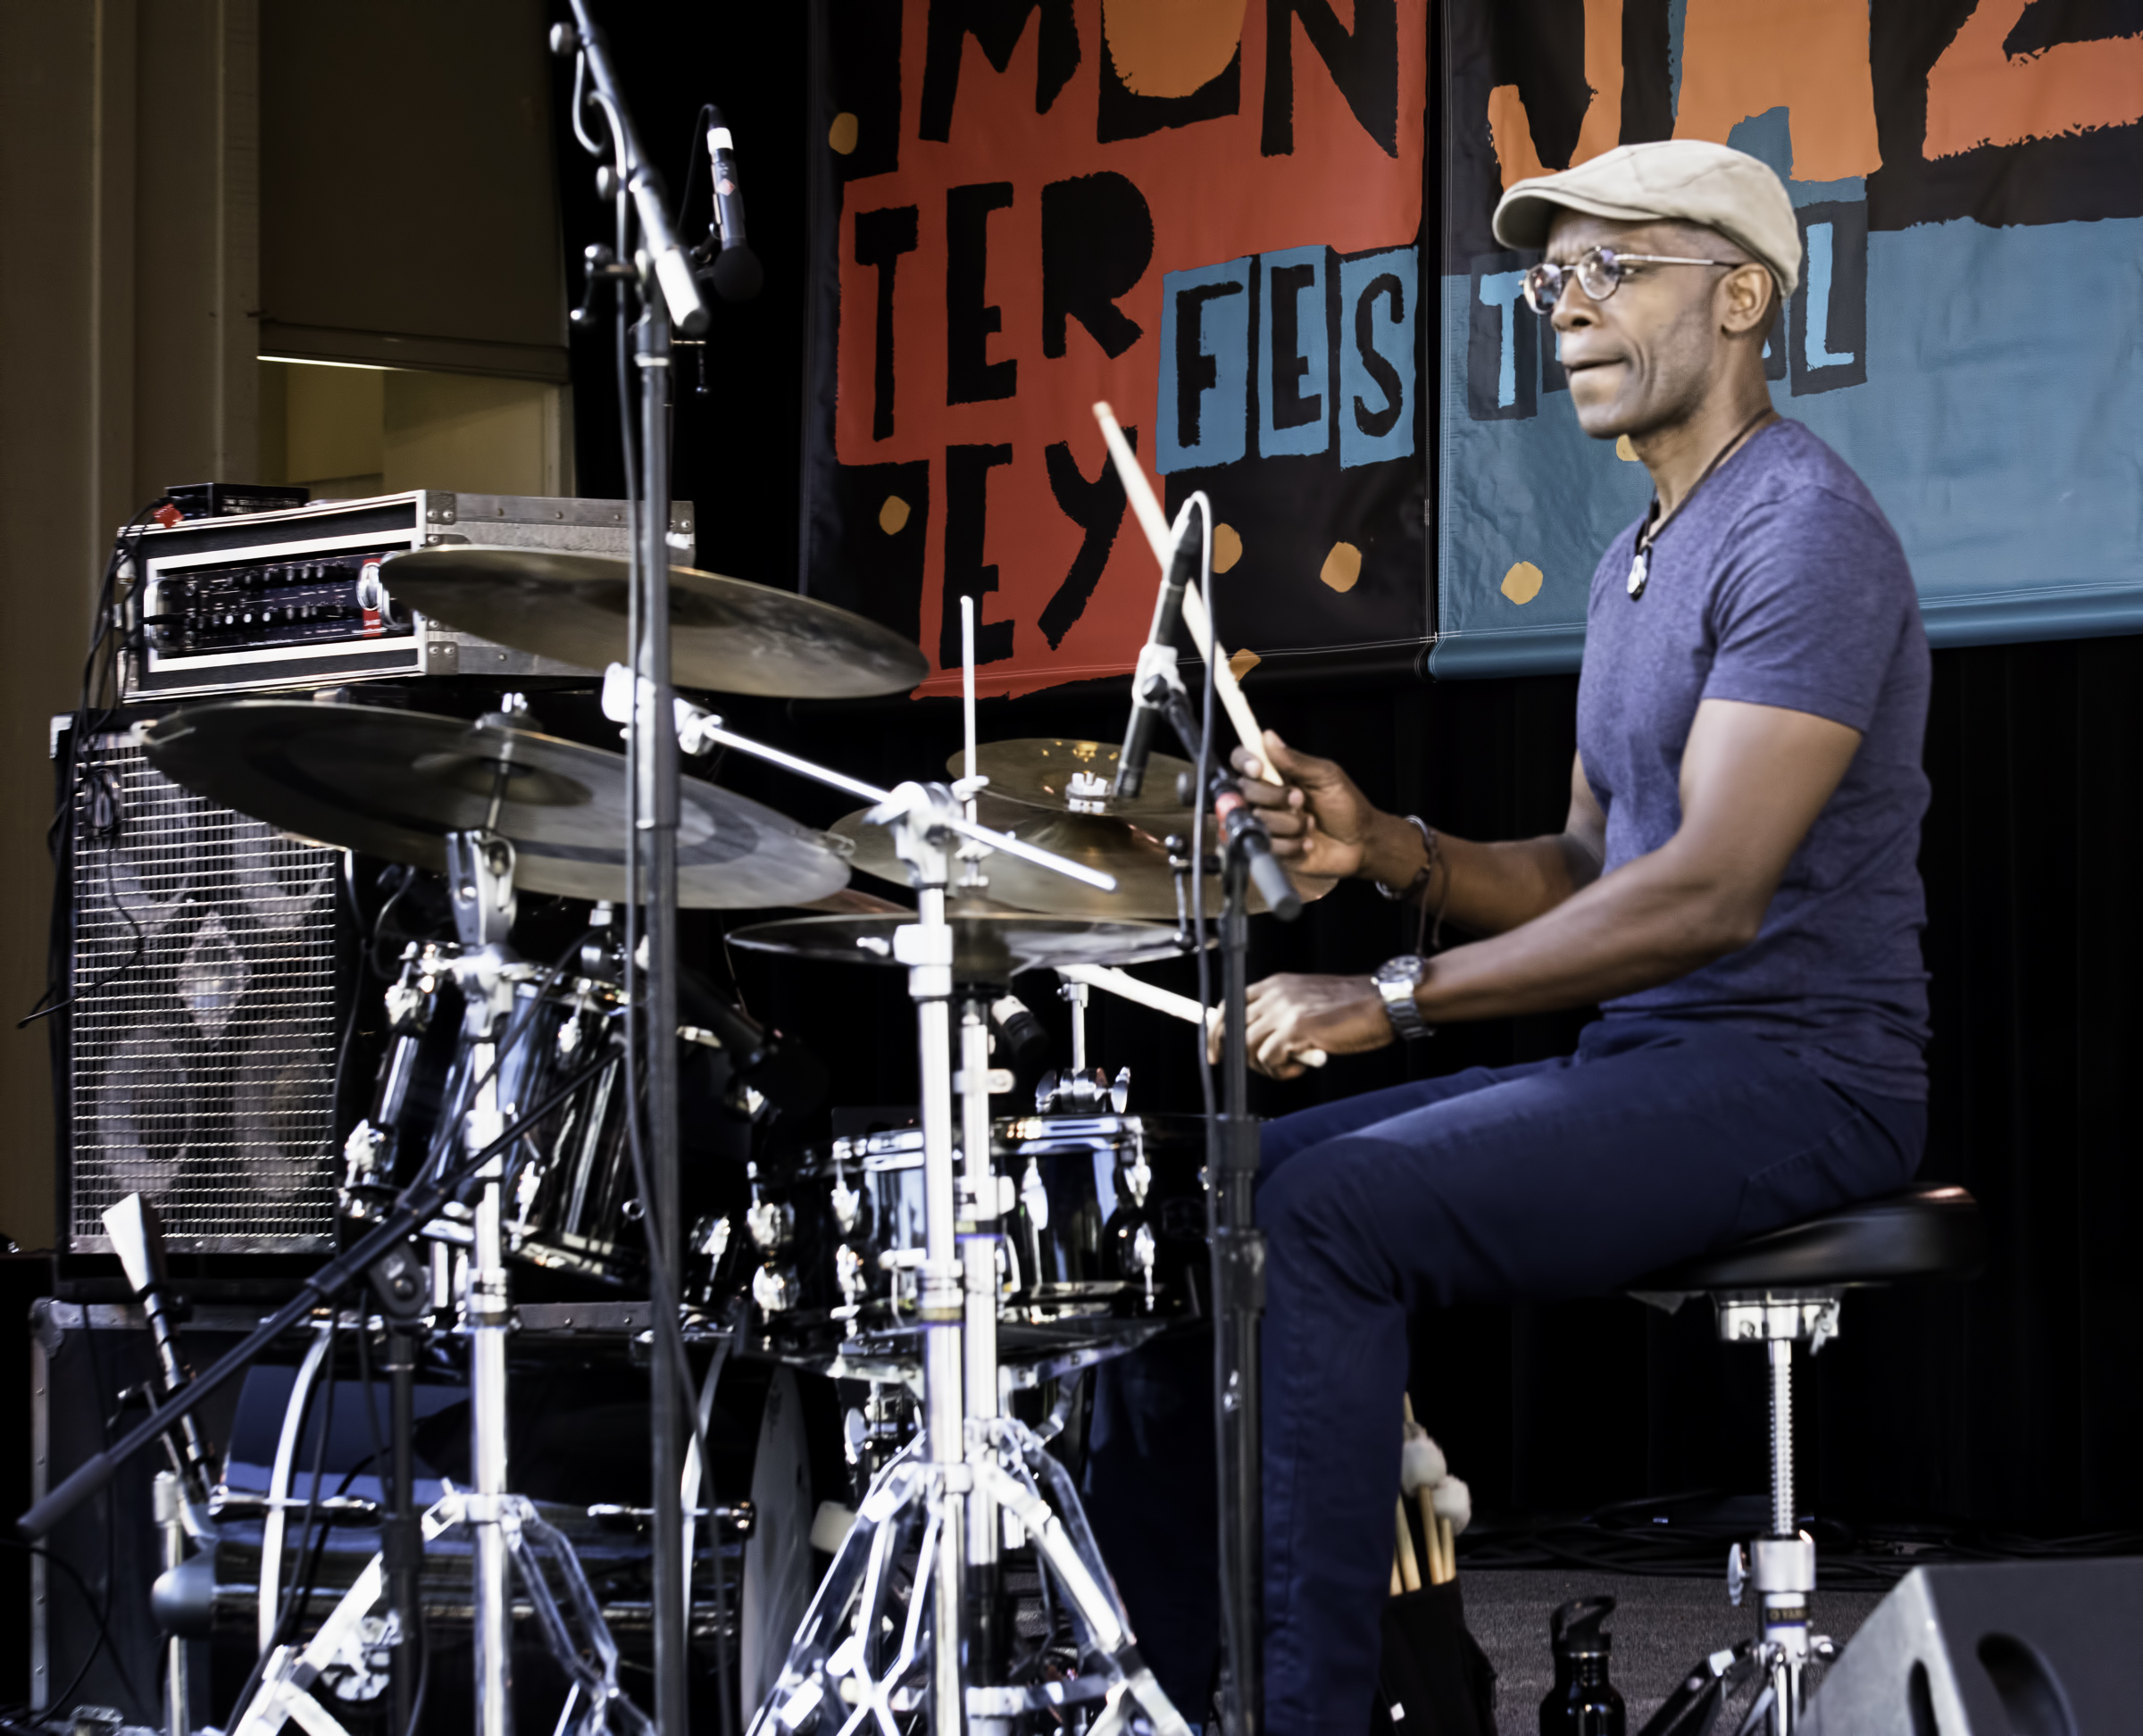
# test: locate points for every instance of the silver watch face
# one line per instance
(1404, 969)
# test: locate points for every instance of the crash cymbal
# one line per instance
(1075, 777)
(393, 783)
(990, 943)
(728, 634)
(1145, 886)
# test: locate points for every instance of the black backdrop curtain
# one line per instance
(2013, 1401)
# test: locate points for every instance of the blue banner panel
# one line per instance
(1968, 333)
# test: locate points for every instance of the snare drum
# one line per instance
(1101, 1237)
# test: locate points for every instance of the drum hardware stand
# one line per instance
(953, 1491)
(400, 1285)
(479, 873)
(528, 1541)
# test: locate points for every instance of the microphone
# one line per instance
(1026, 1042)
(1240, 824)
(737, 276)
(1157, 660)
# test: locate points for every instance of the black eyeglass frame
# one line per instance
(1544, 282)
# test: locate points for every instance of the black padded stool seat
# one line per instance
(1922, 1232)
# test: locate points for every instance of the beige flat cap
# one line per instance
(1686, 180)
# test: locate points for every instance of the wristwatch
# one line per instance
(1396, 979)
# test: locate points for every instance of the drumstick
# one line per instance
(1146, 507)
(1422, 1468)
(1410, 1572)
(1397, 1585)
(1161, 1000)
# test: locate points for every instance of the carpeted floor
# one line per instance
(1661, 1627)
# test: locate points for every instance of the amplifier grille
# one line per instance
(204, 1040)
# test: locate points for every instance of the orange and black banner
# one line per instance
(1209, 214)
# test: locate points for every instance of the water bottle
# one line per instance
(1583, 1702)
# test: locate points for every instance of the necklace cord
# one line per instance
(1648, 532)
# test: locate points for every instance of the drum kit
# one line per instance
(955, 1264)
(951, 1265)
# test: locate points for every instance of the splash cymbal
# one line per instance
(393, 783)
(1145, 884)
(1075, 777)
(990, 943)
(727, 635)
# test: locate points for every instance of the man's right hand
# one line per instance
(1321, 825)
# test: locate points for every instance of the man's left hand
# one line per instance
(1290, 1015)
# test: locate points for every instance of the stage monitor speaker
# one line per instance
(210, 963)
(1997, 1649)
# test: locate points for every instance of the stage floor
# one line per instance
(1661, 1627)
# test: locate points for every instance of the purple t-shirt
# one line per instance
(1779, 582)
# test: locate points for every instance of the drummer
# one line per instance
(1735, 885)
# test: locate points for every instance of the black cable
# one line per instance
(89, 719)
(103, 1428)
(104, 1641)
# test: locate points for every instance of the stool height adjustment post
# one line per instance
(1782, 1437)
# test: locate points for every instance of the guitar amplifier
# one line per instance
(296, 597)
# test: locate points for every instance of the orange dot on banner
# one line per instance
(1624, 450)
(841, 134)
(1227, 547)
(1342, 567)
(1522, 583)
(1242, 662)
(893, 516)
(1171, 48)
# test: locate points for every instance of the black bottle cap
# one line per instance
(1574, 1629)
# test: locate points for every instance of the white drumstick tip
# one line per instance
(1421, 1462)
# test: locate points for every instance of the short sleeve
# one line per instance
(1808, 615)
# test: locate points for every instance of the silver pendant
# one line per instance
(1640, 569)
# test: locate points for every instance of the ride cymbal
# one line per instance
(1076, 777)
(393, 783)
(990, 943)
(727, 635)
(1145, 884)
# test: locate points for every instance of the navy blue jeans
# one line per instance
(1655, 1141)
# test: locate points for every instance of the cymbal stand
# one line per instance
(480, 869)
(969, 1463)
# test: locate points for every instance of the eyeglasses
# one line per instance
(1599, 273)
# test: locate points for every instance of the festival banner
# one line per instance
(1207, 212)
(1968, 330)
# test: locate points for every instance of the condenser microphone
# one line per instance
(737, 276)
(1157, 661)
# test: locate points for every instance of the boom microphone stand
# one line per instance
(660, 274)
(1237, 1247)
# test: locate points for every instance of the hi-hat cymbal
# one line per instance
(393, 783)
(1076, 777)
(728, 634)
(990, 943)
(1145, 886)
